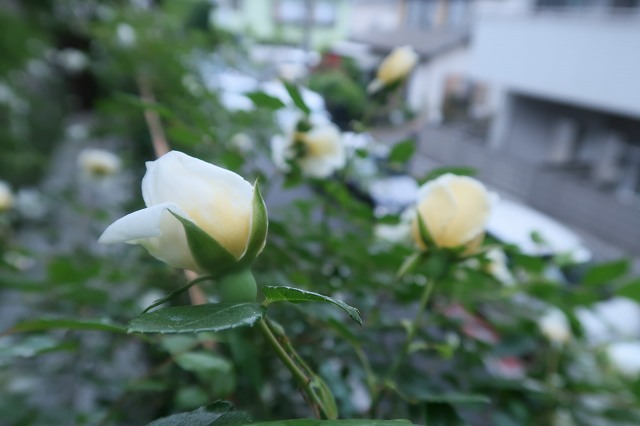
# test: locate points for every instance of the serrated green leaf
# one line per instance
(44, 324)
(295, 295)
(293, 91)
(259, 228)
(206, 251)
(402, 151)
(314, 422)
(606, 272)
(194, 319)
(262, 100)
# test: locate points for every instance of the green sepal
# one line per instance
(410, 264)
(207, 252)
(259, 228)
(424, 232)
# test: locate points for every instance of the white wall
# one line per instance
(426, 88)
(589, 61)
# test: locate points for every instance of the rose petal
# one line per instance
(437, 207)
(158, 231)
(473, 205)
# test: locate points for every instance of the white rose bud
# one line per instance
(6, 196)
(318, 152)
(555, 326)
(98, 162)
(396, 66)
(199, 217)
(454, 210)
(625, 358)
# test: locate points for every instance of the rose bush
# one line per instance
(454, 210)
(181, 191)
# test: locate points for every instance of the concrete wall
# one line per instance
(578, 59)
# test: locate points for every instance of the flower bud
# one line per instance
(454, 211)
(396, 66)
(199, 217)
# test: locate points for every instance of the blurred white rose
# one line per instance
(126, 35)
(396, 66)
(6, 196)
(242, 143)
(220, 202)
(318, 151)
(31, 204)
(98, 162)
(72, 60)
(611, 320)
(498, 266)
(454, 209)
(625, 358)
(554, 325)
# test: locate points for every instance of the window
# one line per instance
(299, 12)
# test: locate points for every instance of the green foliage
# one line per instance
(345, 99)
(295, 295)
(196, 319)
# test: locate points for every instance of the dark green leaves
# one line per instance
(194, 319)
(402, 151)
(262, 100)
(294, 295)
(436, 173)
(606, 272)
(216, 414)
(296, 96)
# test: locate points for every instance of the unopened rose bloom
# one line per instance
(318, 151)
(554, 326)
(454, 209)
(6, 196)
(625, 358)
(394, 67)
(218, 201)
(126, 35)
(98, 162)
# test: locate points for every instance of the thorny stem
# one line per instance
(299, 375)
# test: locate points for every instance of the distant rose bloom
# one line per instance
(318, 151)
(454, 209)
(242, 143)
(554, 325)
(625, 358)
(126, 35)
(6, 196)
(98, 162)
(72, 60)
(394, 67)
(611, 320)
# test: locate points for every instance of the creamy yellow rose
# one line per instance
(6, 196)
(396, 66)
(218, 201)
(454, 209)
